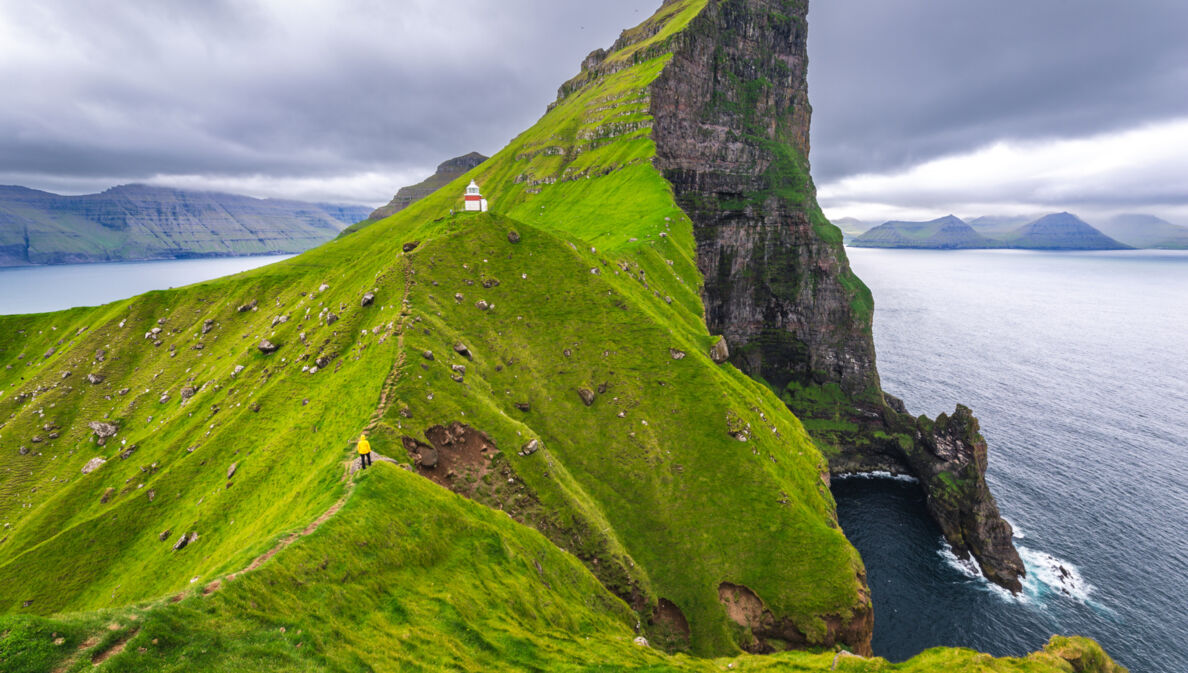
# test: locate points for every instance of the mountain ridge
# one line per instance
(143, 222)
(1055, 231)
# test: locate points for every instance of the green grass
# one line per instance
(410, 577)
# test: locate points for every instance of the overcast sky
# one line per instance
(921, 107)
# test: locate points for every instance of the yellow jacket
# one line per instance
(364, 445)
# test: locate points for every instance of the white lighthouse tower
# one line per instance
(474, 200)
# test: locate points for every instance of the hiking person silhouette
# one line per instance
(364, 452)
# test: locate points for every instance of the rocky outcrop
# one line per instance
(949, 457)
(768, 632)
(731, 126)
(447, 172)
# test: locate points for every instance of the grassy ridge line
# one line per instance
(410, 577)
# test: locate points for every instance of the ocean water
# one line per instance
(1077, 366)
(37, 289)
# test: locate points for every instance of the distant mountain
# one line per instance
(139, 222)
(1146, 231)
(446, 173)
(1060, 231)
(948, 233)
(994, 226)
(852, 227)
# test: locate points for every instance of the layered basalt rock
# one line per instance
(731, 126)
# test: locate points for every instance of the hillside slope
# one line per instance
(550, 359)
(1060, 231)
(946, 233)
(1145, 231)
(138, 222)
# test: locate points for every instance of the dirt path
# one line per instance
(353, 465)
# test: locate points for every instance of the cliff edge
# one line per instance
(731, 126)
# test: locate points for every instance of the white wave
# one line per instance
(973, 572)
(1016, 532)
(1047, 574)
(878, 474)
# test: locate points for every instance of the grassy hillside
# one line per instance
(454, 587)
(548, 359)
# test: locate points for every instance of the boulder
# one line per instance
(102, 429)
(513, 237)
(676, 354)
(235, 372)
(280, 320)
(462, 350)
(410, 246)
(428, 355)
(207, 325)
(524, 406)
(95, 379)
(460, 369)
(266, 346)
(184, 540)
(323, 287)
(231, 470)
(188, 392)
(164, 534)
(244, 308)
(100, 355)
(482, 305)
(368, 299)
(331, 318)
(530, 447)
(587, 396)
(92, 465)
(720, 352)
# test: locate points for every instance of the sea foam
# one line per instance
(878, 474)
(1047, 576)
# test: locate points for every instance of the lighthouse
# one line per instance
(474, 200)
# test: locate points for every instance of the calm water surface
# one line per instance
(1077, 366)
(37, 289)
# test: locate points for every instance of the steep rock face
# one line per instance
(732, 137)
(446, 172)
(949, 457)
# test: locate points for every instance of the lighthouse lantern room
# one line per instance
(474, 200)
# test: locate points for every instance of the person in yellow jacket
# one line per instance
(364, 452)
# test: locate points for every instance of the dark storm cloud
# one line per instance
(348, 100)
(279, 92)
(898, 82)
